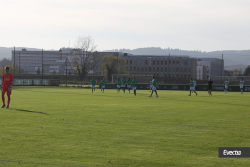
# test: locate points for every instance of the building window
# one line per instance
(153, 62)
(161, 69)
(161, 62)
(157, 62)
(149, 68)
(134, 68)
(166, 62)
(153, 68)
(176, 69)
(145, 68)
(157, 69)
(146, 62)
(130, 61)
(177, 62)
(138, 69)
(165, 68)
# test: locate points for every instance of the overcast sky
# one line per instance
(205, 25)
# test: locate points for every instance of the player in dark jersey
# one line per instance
(210, 83)
(7, 81)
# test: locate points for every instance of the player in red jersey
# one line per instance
(7, 81)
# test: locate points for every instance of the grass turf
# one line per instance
(72, 126)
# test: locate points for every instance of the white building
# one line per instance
(214, 67)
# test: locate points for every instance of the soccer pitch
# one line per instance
(60, 126)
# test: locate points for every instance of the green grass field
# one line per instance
(60, 126)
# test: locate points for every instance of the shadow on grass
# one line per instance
(28, 111)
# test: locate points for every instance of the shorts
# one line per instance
(134, 88)
(209, 88)
(118, 86)
(226, 87)
(192, 88)
(93, 86)
(154, 88)
(129, 86)
(241, 86)
(6, 90)
(123, 86)
(151, 86)
(103, 87)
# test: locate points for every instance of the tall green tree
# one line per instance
(113, 65)
(247, 71)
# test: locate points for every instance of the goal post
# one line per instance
(139, 78)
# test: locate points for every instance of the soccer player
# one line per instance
(241, 85)
(129, 84)
(134, 83)
(192, 87)
(118, 82)
(7, 81)
(123, 84)
(154, 87)
(93, 82)
(194, 81)
(210, 83)
(103, 83)
(151, 85)
(226, 86)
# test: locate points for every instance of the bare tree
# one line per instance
(85, 56)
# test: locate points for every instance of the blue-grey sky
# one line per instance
(205, 25)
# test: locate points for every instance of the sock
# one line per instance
(92, 90)
(135, 92)
(152, 93)
(190, 92)
(8, 101)
(3, 100)
(156, 93)
(103, 90)
(194, 91)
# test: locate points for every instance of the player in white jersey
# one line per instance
(226, 86)
(194, 81)
(241, 85)
(151, 85)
